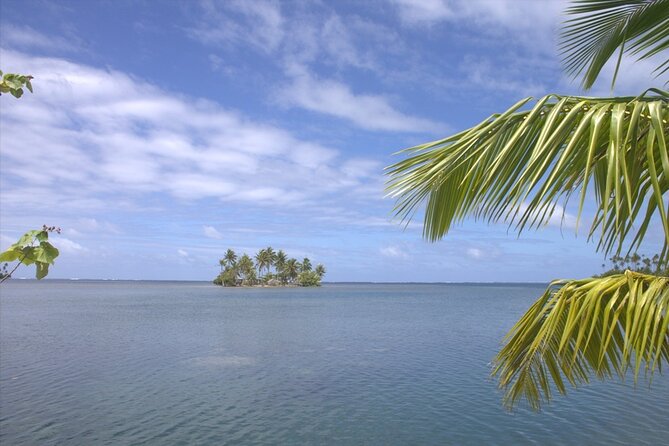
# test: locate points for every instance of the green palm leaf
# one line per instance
(601, 27)
(521, 165)
(626, 317)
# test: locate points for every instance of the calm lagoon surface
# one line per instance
(88, 362)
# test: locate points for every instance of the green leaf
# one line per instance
(11, 254)
(17, 93)
(29, 86)
(46, 253)
(28, 238)
(42, 269)
(28, 255)
(12, 81)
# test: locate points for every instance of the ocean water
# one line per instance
(169, 363)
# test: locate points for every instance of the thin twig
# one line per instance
(8, 276)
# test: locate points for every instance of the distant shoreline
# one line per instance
(25, 279)
(291, 285)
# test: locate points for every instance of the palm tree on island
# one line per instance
(271, 258)
(292, 269)
(288, 272)
(262, 261)
(246, 269)
(280, 264)
(230, 258)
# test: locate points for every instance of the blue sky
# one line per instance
(161, 133)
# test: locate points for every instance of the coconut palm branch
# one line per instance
(306, 265)
(320, 270)
(599, 29)
(601, 327)
(522, 166)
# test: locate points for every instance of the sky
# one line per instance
(161, 133)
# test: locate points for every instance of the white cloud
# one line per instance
(513, 77)
(299, 35)
(530, 24)
(6, 241)
(360, 167)
(508, 14)
(183, 253)
(24, 37)
(68, 246)
(371, 112)
(634, 77)
(562, 219)
(559, 218)
(337, 41)
(211, 232)
(223, 23)
(475, 253)
(96, 143)
(421, 11)
(394, 252)
(92, 225)
(301, 42)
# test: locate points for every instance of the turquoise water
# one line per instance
(188, 363)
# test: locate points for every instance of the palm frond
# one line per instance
(578, 329)
(601, 27)
(521, 165)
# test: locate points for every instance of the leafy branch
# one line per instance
(32, 248)
(14, 83)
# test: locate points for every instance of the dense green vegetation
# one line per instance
(271, 268)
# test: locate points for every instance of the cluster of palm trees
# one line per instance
(269, 268)
(635, 262)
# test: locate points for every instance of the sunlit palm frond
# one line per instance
(578, 329)
(602, 27)
(521, 165)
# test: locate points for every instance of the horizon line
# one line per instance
(77, 279)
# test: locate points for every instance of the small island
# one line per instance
(270, 269)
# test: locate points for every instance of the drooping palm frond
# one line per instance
(519, 166)
(577, 329)
(601, 27)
